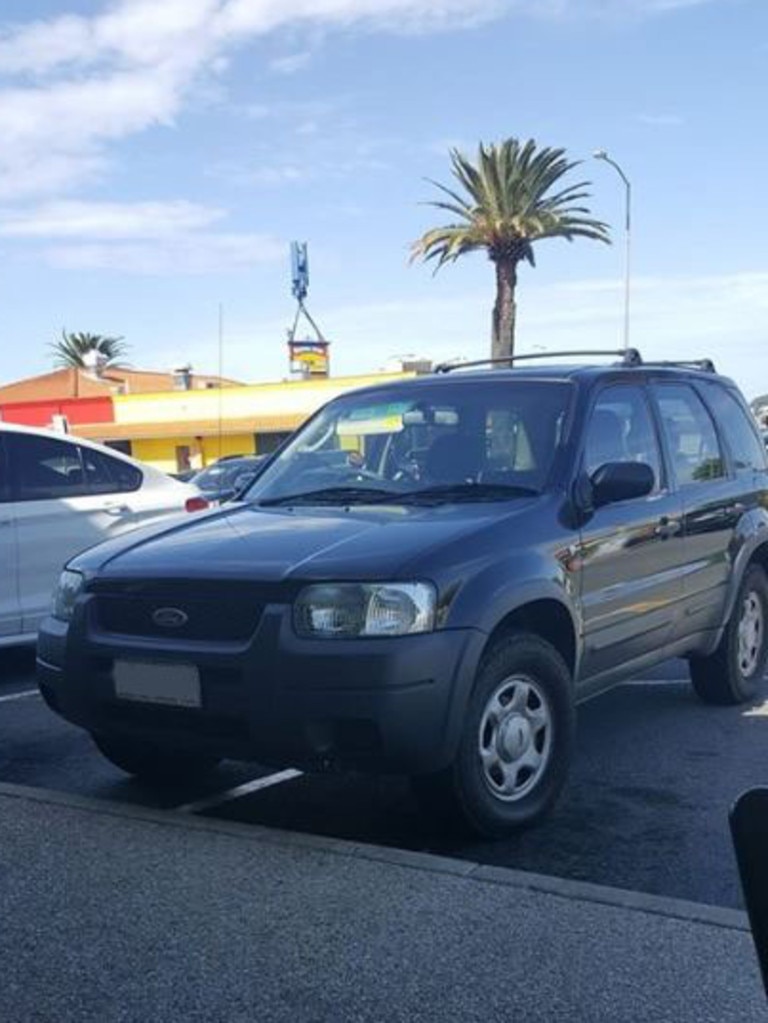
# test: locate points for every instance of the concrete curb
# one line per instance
(582, 891)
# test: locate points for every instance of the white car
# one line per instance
(58, 495)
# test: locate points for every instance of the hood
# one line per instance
(276, 544)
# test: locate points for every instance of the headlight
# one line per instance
(69, 587)
(346, 610)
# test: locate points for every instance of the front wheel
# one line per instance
(733, 672)
(516, 745)
(153, 764)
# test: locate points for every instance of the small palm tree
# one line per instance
(73, 349)
(509, 201)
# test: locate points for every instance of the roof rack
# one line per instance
(705, 365)
(629, 357)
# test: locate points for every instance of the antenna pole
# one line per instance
(221, 373)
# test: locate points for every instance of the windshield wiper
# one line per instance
(467, 492)
(332, 495)
(429, 495)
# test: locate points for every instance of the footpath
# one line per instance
(114, 913)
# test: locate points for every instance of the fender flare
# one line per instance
(511, 598)
(753, 534)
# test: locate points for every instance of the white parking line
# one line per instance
(239, 790)
(19, 696)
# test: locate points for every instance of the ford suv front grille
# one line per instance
(182, 610)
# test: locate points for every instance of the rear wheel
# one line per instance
(734, 671)
(152, 763)
(516, 745)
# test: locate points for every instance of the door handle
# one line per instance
(666, 527)
(116, 509)
(6, 522)
(729, 511)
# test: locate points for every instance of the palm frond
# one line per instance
(507, 199)
(73, 348)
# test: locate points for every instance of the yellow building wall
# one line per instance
(197, 413)
(161, 454)
(293, 397)
(234, 444)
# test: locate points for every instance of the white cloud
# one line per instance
(610, 10)
(147, 32)
(290, 63)
(83, 82)
(281, 174)
(196, 253)
(661, 120)
(152, 238)
(131, 32)
(720, 316)
(27, 175)
(103, 220)
(251, 17)
(69, 122)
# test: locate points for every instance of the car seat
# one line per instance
(454, 458)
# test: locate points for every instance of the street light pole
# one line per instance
(601, 154)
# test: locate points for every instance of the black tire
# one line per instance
(469, 792)
(721, 678)
(154, 764)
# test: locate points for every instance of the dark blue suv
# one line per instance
(427, 579)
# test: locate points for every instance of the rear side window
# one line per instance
(43, 468)
(4, 473)
(738, 429)
(690, 434)
(107, 475)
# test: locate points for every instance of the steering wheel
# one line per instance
(407, 469)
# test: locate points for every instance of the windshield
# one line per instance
(498, 438)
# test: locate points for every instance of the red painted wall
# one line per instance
(77, 410)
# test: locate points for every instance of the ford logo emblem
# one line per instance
(170, 617)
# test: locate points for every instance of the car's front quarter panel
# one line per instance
(520, 562)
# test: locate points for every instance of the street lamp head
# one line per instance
(600, 154)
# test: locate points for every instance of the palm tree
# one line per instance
(509, 201)
(73, 349)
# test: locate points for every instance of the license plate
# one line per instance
(177, 685)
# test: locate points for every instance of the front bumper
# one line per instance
(393, 704)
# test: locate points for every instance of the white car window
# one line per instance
(43, 468)
(10, 613)
(105, 475)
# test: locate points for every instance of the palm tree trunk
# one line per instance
(504, 310)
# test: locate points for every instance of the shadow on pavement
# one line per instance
(17, 661)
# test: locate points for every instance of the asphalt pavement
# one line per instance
(646, 810)
(282, 897)
(119, 913)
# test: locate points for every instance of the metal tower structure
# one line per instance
(310, 356)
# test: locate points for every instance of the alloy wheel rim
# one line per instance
(750, 634)
(515, 738)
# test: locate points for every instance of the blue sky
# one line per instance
(158, 157)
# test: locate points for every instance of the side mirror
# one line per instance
(621, 481)
(241, 484)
